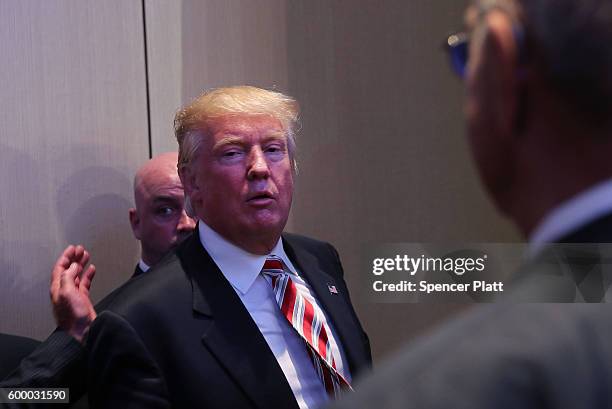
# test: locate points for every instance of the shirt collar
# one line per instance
(143, 266)
(239, 267)
(571, 215)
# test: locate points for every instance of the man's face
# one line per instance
(159, 220)
(243, 178)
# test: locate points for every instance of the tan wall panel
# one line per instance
(195, 45)
(73, 129)
(233, 42)
(165, 65)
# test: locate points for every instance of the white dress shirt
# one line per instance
(242, 270)
(572, 214)
(143, 266)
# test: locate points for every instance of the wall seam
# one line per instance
(146, 63)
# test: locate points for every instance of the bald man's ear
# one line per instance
(499, 61)
(135, 222)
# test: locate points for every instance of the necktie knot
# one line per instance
(273, 265)
(274, 268)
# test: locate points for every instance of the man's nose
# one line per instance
(186, 223)
(258, 165)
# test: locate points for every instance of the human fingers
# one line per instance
(87, 278)
(61, 264)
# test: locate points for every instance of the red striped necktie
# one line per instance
(309, 323)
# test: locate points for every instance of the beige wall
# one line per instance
(196, 45)
(382, 150)
(73, 129)
(165, 64)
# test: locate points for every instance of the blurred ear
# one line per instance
(499, 67)
(188, 180)
(190, 185)
(135, 222)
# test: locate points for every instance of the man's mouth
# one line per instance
(260, 198)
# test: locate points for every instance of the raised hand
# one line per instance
(69, 291)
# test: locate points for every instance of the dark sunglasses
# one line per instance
(457, 45)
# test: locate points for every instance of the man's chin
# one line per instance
(267, 226)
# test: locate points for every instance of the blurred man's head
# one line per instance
(539, 100)
(236, 161)
(159, 220)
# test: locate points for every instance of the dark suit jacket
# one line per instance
(510, 356)
(12, 349)
(137, 271)
(573, 268)
(57, 362)
(180, 336)
(500, 356)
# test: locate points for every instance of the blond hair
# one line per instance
(191, 122)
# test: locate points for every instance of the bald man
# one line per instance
(159, 221)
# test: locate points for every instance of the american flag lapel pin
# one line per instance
(332, 289)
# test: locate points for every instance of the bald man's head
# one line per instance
(159, 220)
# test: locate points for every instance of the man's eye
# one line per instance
(274, 149)
(231, 154)
(164, 211)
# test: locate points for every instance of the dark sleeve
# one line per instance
(14, 348)
(58, 362)
(121, 371)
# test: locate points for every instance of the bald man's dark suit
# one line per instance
(181, 337)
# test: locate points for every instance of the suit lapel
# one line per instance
(335, 305)
(137, 271)
(230, 334)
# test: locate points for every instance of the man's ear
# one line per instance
(135, 222)
(190, 185)
(188, 180)
(500, 63)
